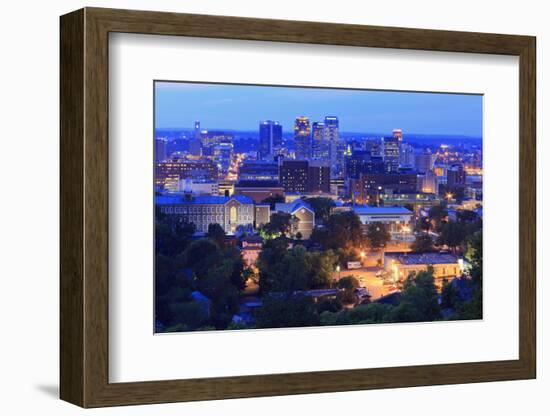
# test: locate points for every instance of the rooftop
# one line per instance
(422, 258)
(200, 199)
(292, 206)
(366, 210)
(257, 184)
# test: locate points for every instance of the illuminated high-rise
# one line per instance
(195, 145)
(391, 154)
(302, 137)
(332, 135)
(160, 150)
(320, 146)
(271, 138)
(424, 162)
(398, 134)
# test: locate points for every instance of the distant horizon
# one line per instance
(241, 107)
(366, 133)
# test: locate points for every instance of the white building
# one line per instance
(198, 188)
(398, 219)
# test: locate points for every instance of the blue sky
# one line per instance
(241, 107)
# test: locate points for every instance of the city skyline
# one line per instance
(221, 106)
(314, 227)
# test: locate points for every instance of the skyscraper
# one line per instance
(398, 134)
(332, 135)
(406, 155)
(456, 175)
(302, 137)
(303, 176)
(391, 154)
(195, 145)
(424, 162)
(271, 138)
(293, 176)
(223, 154)
(160, 150)
(212, 138)
(319, 176)
(320, 146)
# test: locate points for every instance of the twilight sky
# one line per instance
(241, 107)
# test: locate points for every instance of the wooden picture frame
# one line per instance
(84, 207)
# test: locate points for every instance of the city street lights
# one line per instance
(338, 270)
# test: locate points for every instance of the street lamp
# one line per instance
(338, 270)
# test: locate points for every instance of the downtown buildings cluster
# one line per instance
(201, 168)
(382, 207)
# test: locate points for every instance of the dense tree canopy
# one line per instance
(343, 230)
(423, 243)
(321, 206)
(377, 235)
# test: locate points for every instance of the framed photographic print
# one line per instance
(256, 207)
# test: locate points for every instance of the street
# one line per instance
(367, 278)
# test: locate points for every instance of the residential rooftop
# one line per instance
(422, 258)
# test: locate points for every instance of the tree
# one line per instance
(322, 207)
(287, 271)
(466, 216)
(280, 223)
(424, 224)
(474, 254)
(423, 243)
(172, 234)
(298, 235)
(187, 316)
(419, 300)
(452, 234)
(377, 235)
(269, 262)
(217, 234)
(342, 230)
(348, 283)
(449, 296)
(217, 286)
(200, 255)
(437, 214)
(369, 314)
(287, 312)
(272, 200)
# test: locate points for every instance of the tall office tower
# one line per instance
(320, 146)
(195, 144)
(271, 138)
(332, 135)
(374, 146)
(391, 154)
(197, 131)
(223, 155)
(406, 155)
(293, 176)
(319, 176)
(303, 176)
(357, 163)
(160, 150)
(424, 162)
(456, 175)
(277, 131)
(212, 138)
(302, 137)
(398, 134)
(427, 183)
